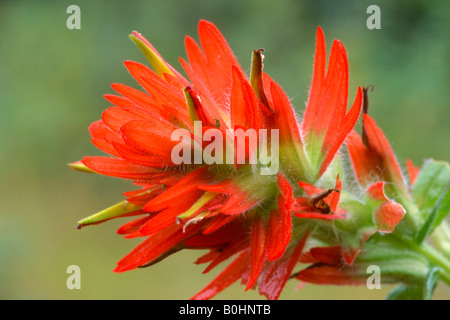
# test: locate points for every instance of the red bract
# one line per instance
(374, 159)
(319, 204)
(326, 121)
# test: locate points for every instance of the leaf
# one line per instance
(430, 222)
(423, 291)
(431, 193)
(431, 282)
(404, 292)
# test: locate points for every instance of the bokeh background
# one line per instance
(51, 84)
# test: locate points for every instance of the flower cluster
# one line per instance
(313, 219)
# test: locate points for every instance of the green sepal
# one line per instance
(79, 166)
(114, 211)
(196, 206)
(155, 60)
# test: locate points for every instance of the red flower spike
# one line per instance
(229, 210)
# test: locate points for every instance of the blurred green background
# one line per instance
(51, 84)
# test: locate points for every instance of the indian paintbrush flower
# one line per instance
(192, 193)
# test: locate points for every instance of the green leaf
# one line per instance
(423, 291)
(430, 283)
(431, 193)
(432, 220)
(404, 292)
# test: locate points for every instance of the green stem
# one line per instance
(434, 257)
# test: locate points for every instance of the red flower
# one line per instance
(228, 209)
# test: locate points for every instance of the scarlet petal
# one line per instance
(226, 186)
(211, 69)
(151, 136)
(160, 89)
(388, 215)
(317, 82)
(115, 118)
(232, 248)
(166, 240)
(275, 242)
(376, 191)
(217, 239)
(280, 225)
(145, 195)
(284, 115)
(138, 97)
(104, 138)
(211, 255)
(413, 171)
(328, 255)
(239, 200)
(334, 95)
(309, 188)
(144, 158)
(168, 216)
(119, 168)
(258, 250)
(218, 222)
(341, 134)
(227, 277)
(376, 158)
(238, 203)
(183, 187)
(324, 274)
(278, 272)
(319, 215)
(334, 196)
(133, 226)
(244, 107)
